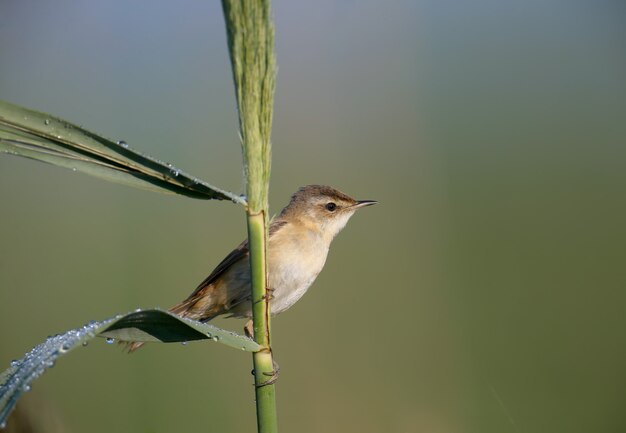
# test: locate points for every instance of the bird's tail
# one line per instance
(184, 309)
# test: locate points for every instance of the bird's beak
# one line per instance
(363, 203)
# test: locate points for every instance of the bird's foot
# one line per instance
(273, 375)
(269, 295)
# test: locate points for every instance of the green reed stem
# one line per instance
(251, 45)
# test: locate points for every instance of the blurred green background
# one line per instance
(484, 294)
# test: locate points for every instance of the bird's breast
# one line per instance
(294, 263)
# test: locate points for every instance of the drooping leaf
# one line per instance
(163, 326)
(39, 136)
(140, 325)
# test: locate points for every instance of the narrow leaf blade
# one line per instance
(163, 326)
(140, 325)
(89, 166)
(33, 134)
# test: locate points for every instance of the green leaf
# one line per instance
(42, 137)
(140, 325)
(163, 326)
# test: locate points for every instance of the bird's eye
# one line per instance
(331, 206)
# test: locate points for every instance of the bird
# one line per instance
(299, 238)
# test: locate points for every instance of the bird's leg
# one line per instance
(248, 329)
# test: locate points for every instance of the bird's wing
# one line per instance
(235, 255)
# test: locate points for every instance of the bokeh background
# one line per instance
(486, 291)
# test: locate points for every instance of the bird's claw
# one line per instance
(273, 375)
(268, 296)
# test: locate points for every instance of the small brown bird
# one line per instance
(299, 239)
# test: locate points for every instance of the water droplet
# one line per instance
(176, 172)
(3, 425)
(216, 338)
(243, 348)
(169, 165)
(47, 121)
(26, 388)
(73, 168)
(123, 144)
(50, 364)
(110, 340)
(184, 343)
(15, 363)
(85, 343)
(208, 334)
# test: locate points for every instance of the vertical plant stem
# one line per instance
(251, 45)
(263, 362)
